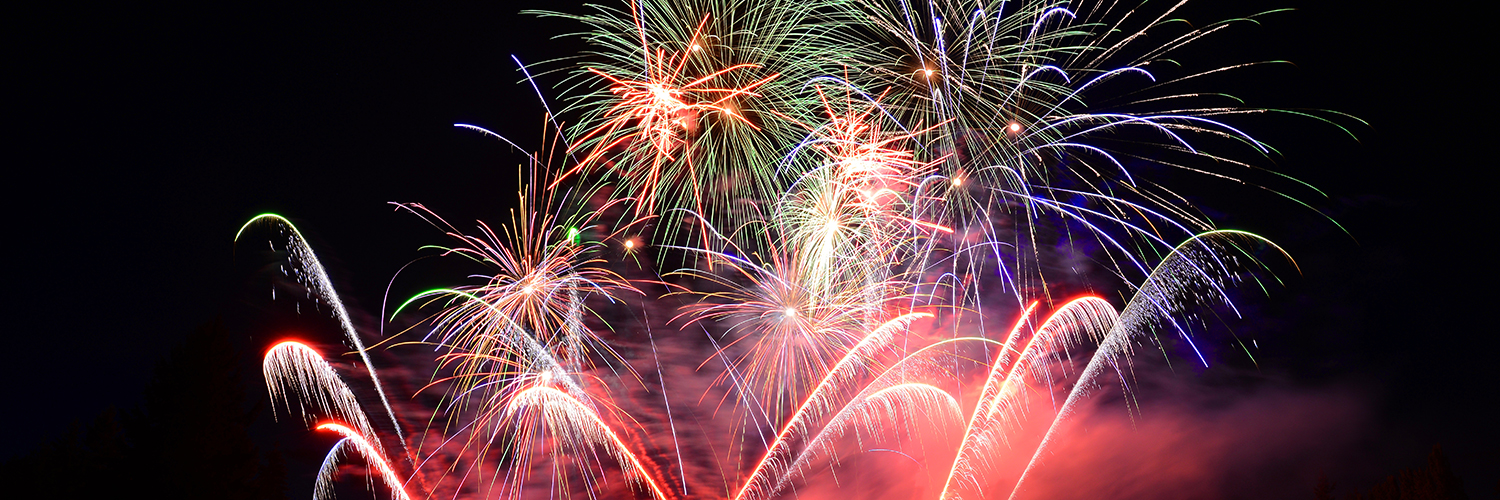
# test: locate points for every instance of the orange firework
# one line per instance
(864, 159)
(660, 109)
(869, 186)
(845, 224)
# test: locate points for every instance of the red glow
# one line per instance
(293, 343)
(371, 455)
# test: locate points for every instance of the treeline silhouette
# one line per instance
(1436, 481)
(190, 438)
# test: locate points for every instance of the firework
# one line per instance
(371, 455)
(310, 273)
(292, 367)
(690, 104)
(856, 191)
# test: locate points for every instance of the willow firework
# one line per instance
(853, 195)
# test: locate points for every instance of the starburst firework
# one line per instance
(849, 185)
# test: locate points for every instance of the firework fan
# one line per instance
(873, 206)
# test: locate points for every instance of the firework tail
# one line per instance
(1155, 301)
(919, 364)
(371, 456)
(1084, 316)
(577, 426)
(316, 279)
(291, 366)
(816, 404)
(329, 471)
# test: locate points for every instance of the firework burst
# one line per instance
(858, 191)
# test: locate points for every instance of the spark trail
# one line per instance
(839, 200)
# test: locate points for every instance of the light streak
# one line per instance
(828, 174)
(371, 455)
(570, 420)
(293, 367)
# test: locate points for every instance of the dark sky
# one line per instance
(140, 138)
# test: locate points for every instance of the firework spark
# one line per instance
(371, 456)
(857, 191)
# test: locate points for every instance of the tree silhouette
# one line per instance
(1436, 481)
(1324, 489)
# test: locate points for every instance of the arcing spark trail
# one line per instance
(836, 201)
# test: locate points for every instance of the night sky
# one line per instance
(141, 138)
